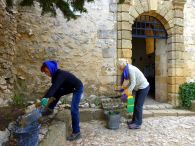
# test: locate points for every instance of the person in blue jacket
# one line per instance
(63, 82)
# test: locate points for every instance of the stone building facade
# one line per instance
(90, 46)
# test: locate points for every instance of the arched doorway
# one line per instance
(149, 54)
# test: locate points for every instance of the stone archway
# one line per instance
(170, 14)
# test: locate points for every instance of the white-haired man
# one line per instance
(138, 83)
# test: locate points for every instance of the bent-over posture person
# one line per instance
(63, 82)
(139, 84)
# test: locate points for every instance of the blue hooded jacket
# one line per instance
(52, 66)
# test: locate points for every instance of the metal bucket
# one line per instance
(113, 119)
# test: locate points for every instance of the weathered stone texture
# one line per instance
(7, 51)
(189, 39)
(86, 47)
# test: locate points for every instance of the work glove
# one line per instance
(124, 98)
(121, 90)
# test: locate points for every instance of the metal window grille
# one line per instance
(148, 27)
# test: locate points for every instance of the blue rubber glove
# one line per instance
(121, 90)
(124, 98)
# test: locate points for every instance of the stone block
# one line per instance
(106, 34)
(173, 88)
(185, 113)
(119, 44)
(125, 7)
(86, 115)
(176, 47)
(175, 55)
(172, 112)
(125, 16)
(171, 23)
(119, 53)
(175, 63)
(157, 113)
(133, 12)
(119, 16)
(108, 52)
(131, 19)
(126, 44)
(98, 114)
(179, 21)
(153, 4)
(176, 80)
(176, 72)
(126, 26)
(147, 113)
(168, 29)
(138, 7)
(175, 39)
(119, 8)
(126, 53)
(178, 13)
(145, 5)
(169, 15)
(126, 34)
(119, 26)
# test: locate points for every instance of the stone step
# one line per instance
(109, 103)
(98, 114)
(167, 112)
(158, 106)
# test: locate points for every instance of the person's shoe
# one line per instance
(74, 136)
(129, 122)
(47, 112)
(134, 126)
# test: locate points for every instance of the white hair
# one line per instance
(122, 62)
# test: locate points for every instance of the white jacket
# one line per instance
(137, 79)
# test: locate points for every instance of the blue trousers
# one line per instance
(75, 110)
(140, 96)
(75, 115)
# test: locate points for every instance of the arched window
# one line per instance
(148, 27)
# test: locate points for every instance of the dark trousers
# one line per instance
(74, 107)
(140, 96)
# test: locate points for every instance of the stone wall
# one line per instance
(89, 45)
(189, 40)
(7, 51)
(86, 47)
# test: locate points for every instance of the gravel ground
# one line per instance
(155, 131)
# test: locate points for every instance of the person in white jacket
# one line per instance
(133, 79)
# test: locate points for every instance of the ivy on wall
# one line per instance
(186, 94)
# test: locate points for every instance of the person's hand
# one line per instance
(121, 90)
(124, 98)
(37, 104)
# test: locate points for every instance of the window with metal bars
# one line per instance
(148, 27)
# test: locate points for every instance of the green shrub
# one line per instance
(186, 94)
